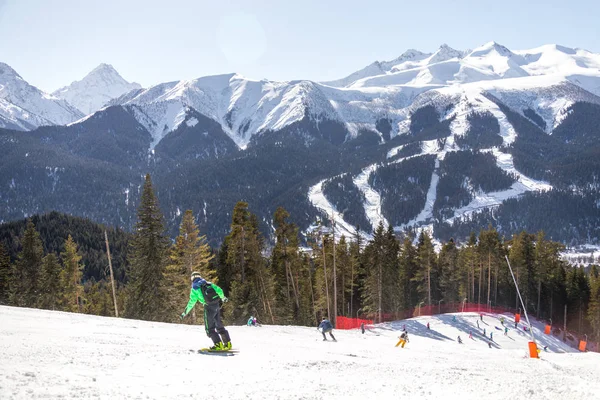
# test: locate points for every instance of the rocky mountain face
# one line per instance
(449, 141)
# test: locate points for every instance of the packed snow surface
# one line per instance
(49, 354)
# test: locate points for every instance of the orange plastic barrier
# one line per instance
(582, 345)
(547, 330)
(533, 350)
(517, 318)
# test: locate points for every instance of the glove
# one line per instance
(225, 299)
(182, 316)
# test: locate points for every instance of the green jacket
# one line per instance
(196, 295)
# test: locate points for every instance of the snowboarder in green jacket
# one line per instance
(210, 296)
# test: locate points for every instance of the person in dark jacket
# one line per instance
(326, 327)
(210, 296)
(362, 327)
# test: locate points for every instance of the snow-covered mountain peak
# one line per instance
(96, 89)
(6, 72)
(491, 47)
(25, 107)
(445, 53)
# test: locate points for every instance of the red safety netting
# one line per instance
(351, 323)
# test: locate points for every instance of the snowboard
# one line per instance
(223, 353)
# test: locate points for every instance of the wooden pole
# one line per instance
(112, 278)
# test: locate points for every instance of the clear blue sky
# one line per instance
(53, 42)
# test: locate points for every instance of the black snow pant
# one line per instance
(213, 324)
(330, 334)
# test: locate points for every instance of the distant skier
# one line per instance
(209, 295)
(459, 340)
(516, 326)
(490, 344)
(250, 321)
(454, 318)
(492, 336)
(484, 332)
(326, 327)
(428, 325)
(506, 331)
(502, 321)
(481, 316)
(403, 339)
(362, 327)
(470, 335)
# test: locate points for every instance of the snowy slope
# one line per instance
(23, 106)
(96, 89)
(49, 354)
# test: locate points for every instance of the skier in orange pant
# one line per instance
(403, 339)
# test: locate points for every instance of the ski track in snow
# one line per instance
(372, 203)
(318, 199)
(47, 354)
(493, 199)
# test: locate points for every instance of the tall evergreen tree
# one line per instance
(148, 258)
(285, 264)
(450, 280)
(578, 295)
(373, 282)
(25, 281)
(408, 272)
(252, 286)
(190, 253)
(468, 260)
(425, 277)
(522, 260)
(594, 303)
(72, 289)
(5, 274)
(51, 285)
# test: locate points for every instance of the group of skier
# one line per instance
(211, 297)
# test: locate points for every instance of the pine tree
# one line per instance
(407, 273)
(252, 284)
(450, 280)
(146, 298)
(373, 281)
(491, 255)
(72, 289)
(593, 313)
(51, 287)
(285, 263)
(522, 260)
(468, 259)
(425, 277)
(25, 281)
(190, 253)
(344, 268)
(5, 274)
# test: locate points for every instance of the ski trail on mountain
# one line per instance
(523, 184)
(372, 203)
(318, 199)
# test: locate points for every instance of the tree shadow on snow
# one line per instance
(462, 325)
(417, 328)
